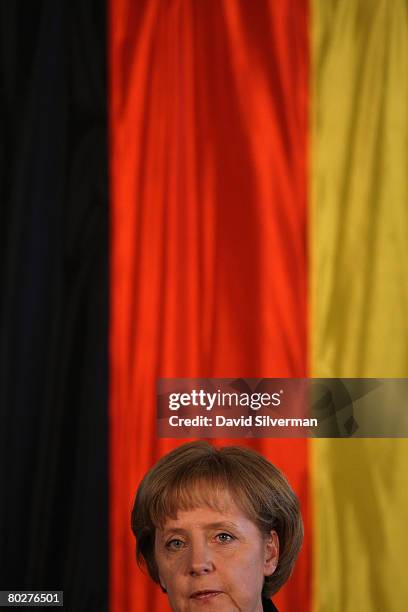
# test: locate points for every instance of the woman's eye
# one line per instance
(225, 537)
(175, 544)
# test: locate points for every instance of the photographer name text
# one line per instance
(242, 421)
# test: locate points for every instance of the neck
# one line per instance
(259, 607)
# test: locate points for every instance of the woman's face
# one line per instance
(215, 561)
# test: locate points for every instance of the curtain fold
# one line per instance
(208, 158)
(53, 316)
(359, 291)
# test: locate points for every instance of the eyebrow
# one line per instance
(217, 525)
(222, 525)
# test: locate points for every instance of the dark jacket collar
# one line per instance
(268, 606)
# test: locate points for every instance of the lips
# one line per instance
(204, 594)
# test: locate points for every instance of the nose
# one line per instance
(201, 561)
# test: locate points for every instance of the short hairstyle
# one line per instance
(193, 475)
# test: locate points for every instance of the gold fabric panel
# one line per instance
(359, 288)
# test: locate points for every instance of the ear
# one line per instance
(271, 553)
(161, 584)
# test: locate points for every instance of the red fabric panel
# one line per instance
(208, 159)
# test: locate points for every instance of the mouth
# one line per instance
(204, 595)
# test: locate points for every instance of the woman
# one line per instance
(217, 528)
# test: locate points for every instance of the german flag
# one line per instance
(198, 189)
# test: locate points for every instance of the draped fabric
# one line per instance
(53, 316)
(359, 263)
(208, 158)
(257, 227)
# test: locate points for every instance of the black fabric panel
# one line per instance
(54, 296)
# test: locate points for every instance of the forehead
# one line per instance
(213, 505)
(227, 515)
(188, 493)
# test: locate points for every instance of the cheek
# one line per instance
(245, 578)
(170, 570)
